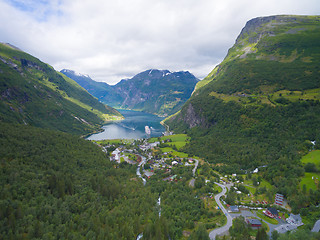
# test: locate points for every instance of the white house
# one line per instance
(116, 155)
(295, 219)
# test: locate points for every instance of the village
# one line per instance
(161, 156)
(145, 155)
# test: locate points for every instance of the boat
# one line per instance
(147, 130)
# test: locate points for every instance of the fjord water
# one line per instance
(132, 127)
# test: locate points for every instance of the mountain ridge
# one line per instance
(32, 92)
(258, 42)
(155, 91)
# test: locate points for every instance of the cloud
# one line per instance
(111, 40)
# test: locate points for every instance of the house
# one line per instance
(295, 219)
(254, 222)
(171, 178)
(174, 163)
(233, 209)
(148, 174)
(278, 199)
(271, 212)
(116, 155)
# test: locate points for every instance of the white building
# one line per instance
(295, 219)
(116, 155)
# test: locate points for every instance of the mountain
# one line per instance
(260, 106)
(33, 93)
(155, 91)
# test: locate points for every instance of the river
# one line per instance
(132, 127)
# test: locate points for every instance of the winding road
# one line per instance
(226, 227)
(195, 167)
(138, 169)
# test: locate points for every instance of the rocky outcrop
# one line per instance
(192, 118)
(263, 26)
(189, 116)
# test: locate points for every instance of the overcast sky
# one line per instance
(115, 39)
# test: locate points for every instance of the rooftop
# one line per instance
(254, 221)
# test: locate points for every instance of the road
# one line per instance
(226, 227)
(191, 183)
(248, 213)
(138, 169)
(195, 167)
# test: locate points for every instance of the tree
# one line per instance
(200, 233)
(310, 167)
(304, 189)
(262, 234)
(239, 229)
(275, 235)
(199, 182)
(231, 197)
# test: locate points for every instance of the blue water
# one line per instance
(132, 127)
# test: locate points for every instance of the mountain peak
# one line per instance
(267, 26)
(74, 73)
(11, 46)
(156, 91)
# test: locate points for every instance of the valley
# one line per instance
(236, 158)
(159, 92)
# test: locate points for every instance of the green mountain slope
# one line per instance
(280, 52)
(260, 106)
(33, 93)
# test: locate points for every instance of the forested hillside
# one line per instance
(33, 93)
(54, 186)
(260, 106)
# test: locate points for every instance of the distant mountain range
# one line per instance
(155, 91)
(33, 93)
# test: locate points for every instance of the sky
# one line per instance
(115, 39)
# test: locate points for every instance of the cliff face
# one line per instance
(264, 26)
(190, 117)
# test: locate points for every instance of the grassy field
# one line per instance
(174, 153)
(179, 140)
(293, 96)
(312, 157)
(269, 97)
(309, 182)
(252, 188)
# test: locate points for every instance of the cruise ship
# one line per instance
(147, 130)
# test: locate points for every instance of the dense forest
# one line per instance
(54, 185)
(238, 138)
